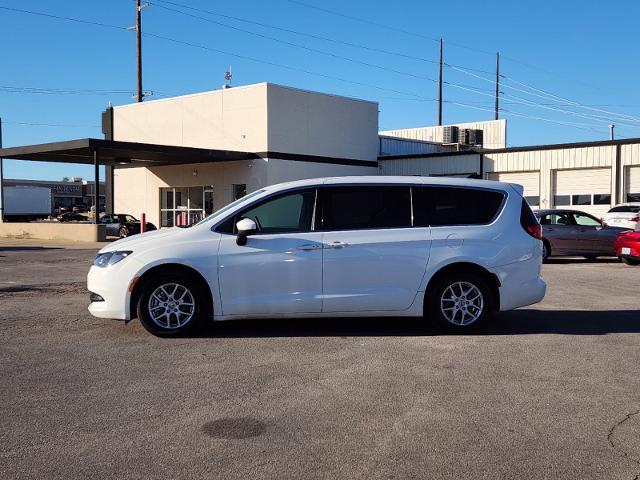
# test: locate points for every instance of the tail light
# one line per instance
(535, 231)
(529, 221)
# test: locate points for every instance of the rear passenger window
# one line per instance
(438, 206)
(359, 208)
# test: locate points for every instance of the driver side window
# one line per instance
(287, 213)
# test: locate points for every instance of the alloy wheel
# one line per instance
(171, 306)
(462, 303)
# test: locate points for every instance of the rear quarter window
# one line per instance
(440, 206)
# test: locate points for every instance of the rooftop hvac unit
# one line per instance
(450, 134)
(475, 137)
(463, 136)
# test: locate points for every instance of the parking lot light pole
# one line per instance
(1, 180)
(96, 184)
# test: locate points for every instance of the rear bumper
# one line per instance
(521, 284)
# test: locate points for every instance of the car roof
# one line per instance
(386, 180)
(560, 210)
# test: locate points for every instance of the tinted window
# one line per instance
(581, 199)
(286, 213)
(633, 197)
(555, 219)
(586, 220)
(601, 199)
(356, 208)
(439, 206)
(625, 209)
(533, 201)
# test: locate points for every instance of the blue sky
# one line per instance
(581, 51)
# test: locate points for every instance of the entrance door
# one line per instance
(279, 270)
(373, 259)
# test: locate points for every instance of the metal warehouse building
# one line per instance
(590, 176)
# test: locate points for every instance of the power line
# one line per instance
(545, 95)
(297, 45)
(60, 17)
(37, 124)
(61, 91)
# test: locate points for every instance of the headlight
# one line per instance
(110, 258)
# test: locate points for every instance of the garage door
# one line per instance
(632, 182)
(529, 180)
(586, 189)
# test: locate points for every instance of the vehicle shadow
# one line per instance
(26, 249)
(573, 260)
(517, 322)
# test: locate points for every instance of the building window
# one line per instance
(561, 200)
(239, 191)
(581, 199)
(601, 199)
(633, 197)
(185, 205)
(533, 201)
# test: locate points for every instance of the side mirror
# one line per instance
(245, 227)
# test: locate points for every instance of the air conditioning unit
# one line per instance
(450, 134)
(475, 137)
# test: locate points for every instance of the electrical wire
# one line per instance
(297, 45)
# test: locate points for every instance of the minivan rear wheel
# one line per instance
(461, 302)
(171, 305)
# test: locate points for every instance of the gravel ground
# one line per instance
(551, 391)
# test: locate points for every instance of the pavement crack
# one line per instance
(623, 453)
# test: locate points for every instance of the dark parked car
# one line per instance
(79, 207)
(571, 232)
(123, 225)
(72, 217)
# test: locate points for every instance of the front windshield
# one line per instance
(230, 206)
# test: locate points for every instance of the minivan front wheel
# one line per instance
(461, 302)
(171, 305)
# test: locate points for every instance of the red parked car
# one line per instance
(627, 247)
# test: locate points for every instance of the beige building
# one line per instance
(293, 133)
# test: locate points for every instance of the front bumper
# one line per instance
(114, 289)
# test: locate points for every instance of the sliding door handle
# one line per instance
(310, 246)
(336, 245)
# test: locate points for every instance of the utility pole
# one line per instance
(440, 87)
(497, 83)
(1, 180)
(139, 48)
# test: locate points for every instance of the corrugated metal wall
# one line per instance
(390, 146)
(441, 165)
(494, 132)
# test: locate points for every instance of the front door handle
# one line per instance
(310, 246)
(336, 245)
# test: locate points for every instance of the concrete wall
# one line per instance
(77, 232)
(137, 190)
(286, 170)
(231, 119)
(311, 123)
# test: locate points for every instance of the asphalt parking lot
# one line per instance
(550, 391)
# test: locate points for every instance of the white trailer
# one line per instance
(26, 203)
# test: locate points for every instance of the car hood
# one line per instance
(146, 240)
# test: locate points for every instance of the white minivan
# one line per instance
(452, 250)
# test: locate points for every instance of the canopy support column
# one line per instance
(96, 184)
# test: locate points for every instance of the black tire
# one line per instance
(434, 304)
(630, 261)
(199, 313)
(123, 232)
(546, 250)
